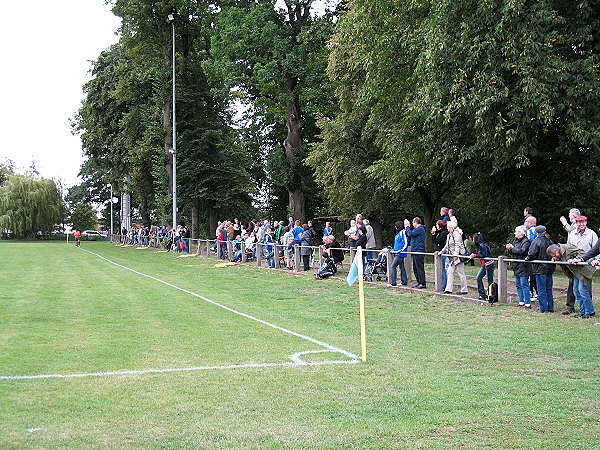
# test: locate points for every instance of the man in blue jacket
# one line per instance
(417, 244)
(400, 247)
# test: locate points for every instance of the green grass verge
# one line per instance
(439, 374)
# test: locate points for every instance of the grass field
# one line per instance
(439, 374)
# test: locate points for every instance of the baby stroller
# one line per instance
(377, 267)
(327, 269)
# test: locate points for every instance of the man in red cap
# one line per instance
(584, 238)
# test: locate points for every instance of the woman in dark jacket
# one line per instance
(518, 250)
(440, 234)
(306, 243)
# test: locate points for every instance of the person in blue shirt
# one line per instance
(530, 224)
(417, 244)
(327, 230)
(270, 248)
(444, 214)
(297, 231)
(400, 247)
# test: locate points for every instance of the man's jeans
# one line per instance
(582, 293)
(544, 288)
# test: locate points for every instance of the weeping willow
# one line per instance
(28, 205)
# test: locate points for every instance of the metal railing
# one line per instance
(258, 252)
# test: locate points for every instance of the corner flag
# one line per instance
(356, 269)
(356, 273)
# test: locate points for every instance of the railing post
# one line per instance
(318, 260)
(296, 257)
(243, 247)
(208, 248)
(408, 267)
(388, 261)
(437, 265)
(502, 280)
(276, 255)
(229, 250)
(258, 253)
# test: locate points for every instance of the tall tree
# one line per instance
(29, 205)
(125, 119)
(83, 217)
(477, 94)
(275, 58)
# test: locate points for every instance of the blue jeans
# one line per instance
(186, 243)
(445, 262)
(544, 288)
(270, 259)
(582, 293)
(398, 261)
(523, 290)
(489, 270)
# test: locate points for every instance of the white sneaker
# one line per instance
(391, 285)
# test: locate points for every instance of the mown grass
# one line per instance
(439, 374)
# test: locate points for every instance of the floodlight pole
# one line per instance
(171, 20)
(111, 209)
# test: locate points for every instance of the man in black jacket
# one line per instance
(336, 252)
(543, 272)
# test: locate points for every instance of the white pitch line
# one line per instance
(185, 369)
(248, 316)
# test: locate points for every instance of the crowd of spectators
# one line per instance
(175, 240)
(533, 280)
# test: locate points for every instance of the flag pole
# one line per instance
(356, 272)
(363, 322)
(361, 297)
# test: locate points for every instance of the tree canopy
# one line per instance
(388, 108)
(29, 206)
(470, 101)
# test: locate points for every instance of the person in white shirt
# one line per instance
(584, 238)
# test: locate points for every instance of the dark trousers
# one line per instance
(419, 268)
(306, 262)
(532, 285)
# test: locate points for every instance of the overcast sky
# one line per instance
(46, 51)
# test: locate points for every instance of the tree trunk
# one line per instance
(429, 208)
(195, 213)
(296, 205)
(144, 212)
(212, 221)
(376, 225)
(292, 146)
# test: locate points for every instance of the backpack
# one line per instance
(492, 292)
